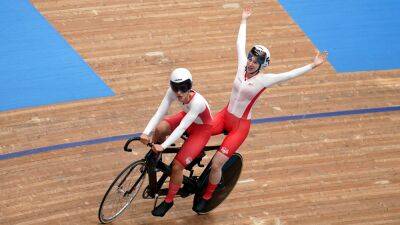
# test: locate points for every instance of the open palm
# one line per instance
(320, 58)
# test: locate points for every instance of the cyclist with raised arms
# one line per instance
(235, 118)
(195, 119)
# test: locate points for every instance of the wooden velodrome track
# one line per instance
(334, 170)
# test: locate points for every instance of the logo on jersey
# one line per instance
(188, 160)
(224, 150)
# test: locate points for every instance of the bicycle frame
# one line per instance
(150, 165)
(154, 164)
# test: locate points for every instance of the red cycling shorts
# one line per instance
(237, 128)
(199, 134)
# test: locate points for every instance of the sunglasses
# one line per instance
(184, 86)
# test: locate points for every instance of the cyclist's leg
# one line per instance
(176, 181)
(191, 148)
(166, 126)
(173, 188)
(218, 161)
(163, 129)
(198, 138)
(215, 175)
(229, 146)
(218, 122)
(160, 133)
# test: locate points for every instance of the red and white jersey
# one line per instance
(197, 111)
(246, 91)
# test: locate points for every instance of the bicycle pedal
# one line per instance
(146, 194)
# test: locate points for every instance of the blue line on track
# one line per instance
(255, 121)
(66, 145)
(326, 114)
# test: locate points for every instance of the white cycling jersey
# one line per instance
(246, 91)
(197, 111)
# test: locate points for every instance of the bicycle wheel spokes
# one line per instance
(122, 191)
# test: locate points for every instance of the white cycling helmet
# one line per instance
(262, 54)
(181, 80)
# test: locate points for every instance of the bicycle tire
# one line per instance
(135, 172)
(230, 175)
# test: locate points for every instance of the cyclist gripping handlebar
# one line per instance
(195, 118)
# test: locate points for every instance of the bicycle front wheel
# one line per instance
(122, 191)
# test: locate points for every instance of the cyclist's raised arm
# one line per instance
(161, 111)
(270, 79)
(189, 118)
(241, 39)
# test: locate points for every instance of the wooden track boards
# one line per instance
(337, 170)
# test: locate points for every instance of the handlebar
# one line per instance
(128, 142)
(126, 146)
(168, 150)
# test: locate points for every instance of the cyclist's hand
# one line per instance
(144, 139)
(320, 58)
(157, 148)
(246, 13)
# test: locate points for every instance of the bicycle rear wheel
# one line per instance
(230, 175)
(122, 191)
